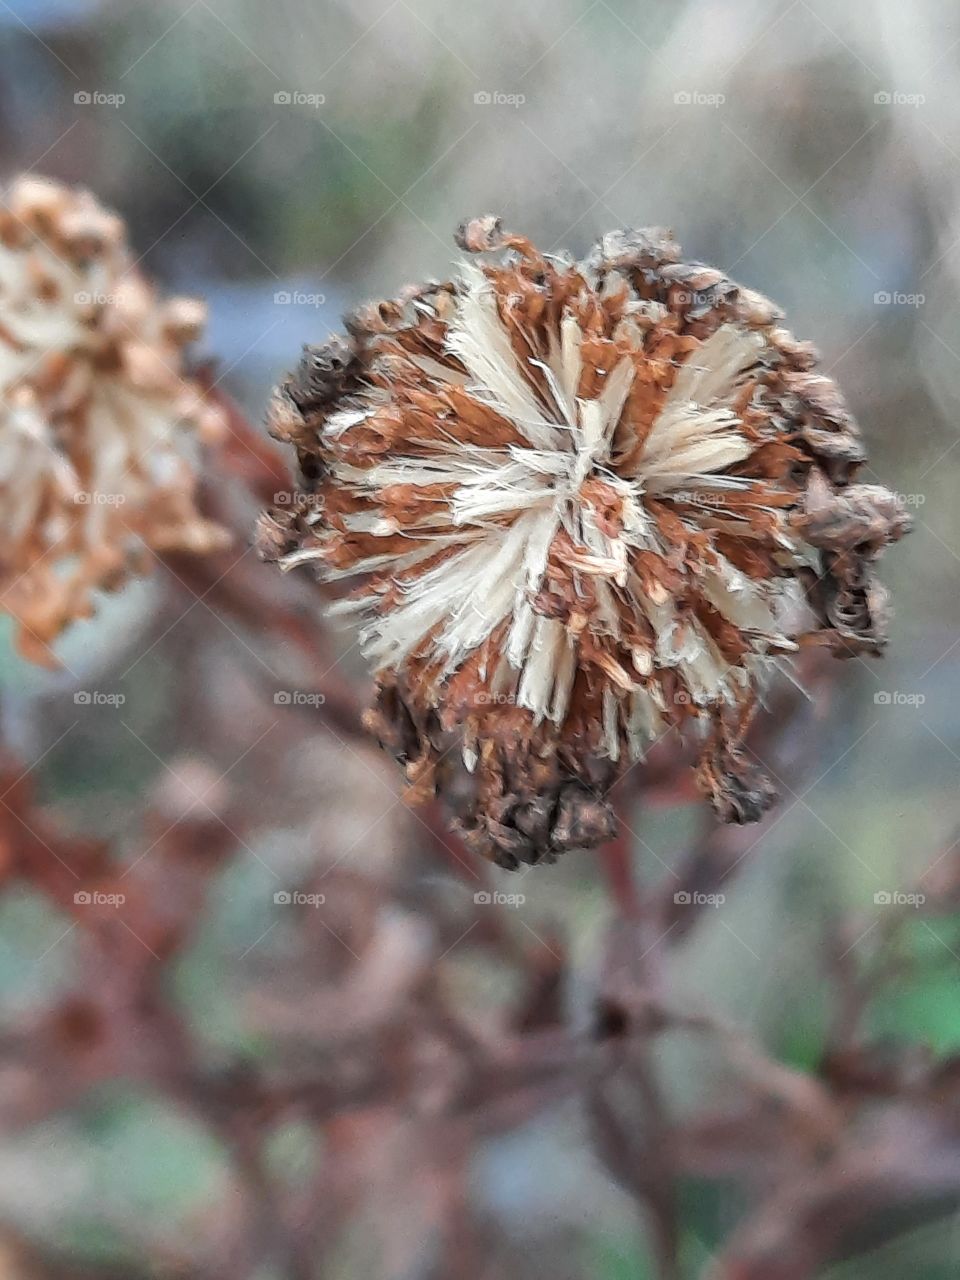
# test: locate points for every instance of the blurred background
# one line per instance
(287, 161)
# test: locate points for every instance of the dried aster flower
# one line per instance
(589, 501)
(98, 423)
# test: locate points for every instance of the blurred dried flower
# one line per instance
(591, 501)
(100, 423)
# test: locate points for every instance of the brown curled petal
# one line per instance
(285, 421)
(582, 820)
(820, 399)
(527, 827)
(858, 606)
(271, 539)
(322, 374)
(801, 356)
(374, 317)
(646, 249)
(755, 309)
(738, 788)
(859, 515)
(480, 235)
(834, 447)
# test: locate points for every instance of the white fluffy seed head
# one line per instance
(506, 506)
(590, 501)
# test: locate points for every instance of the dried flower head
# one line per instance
(590, 501)
(99, 422)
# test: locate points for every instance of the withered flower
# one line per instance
(99, 422)
(589, 501)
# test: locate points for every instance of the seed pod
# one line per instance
(588, 503)
(99, 423)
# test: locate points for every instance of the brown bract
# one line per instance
(588, 502)
(99, 422)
